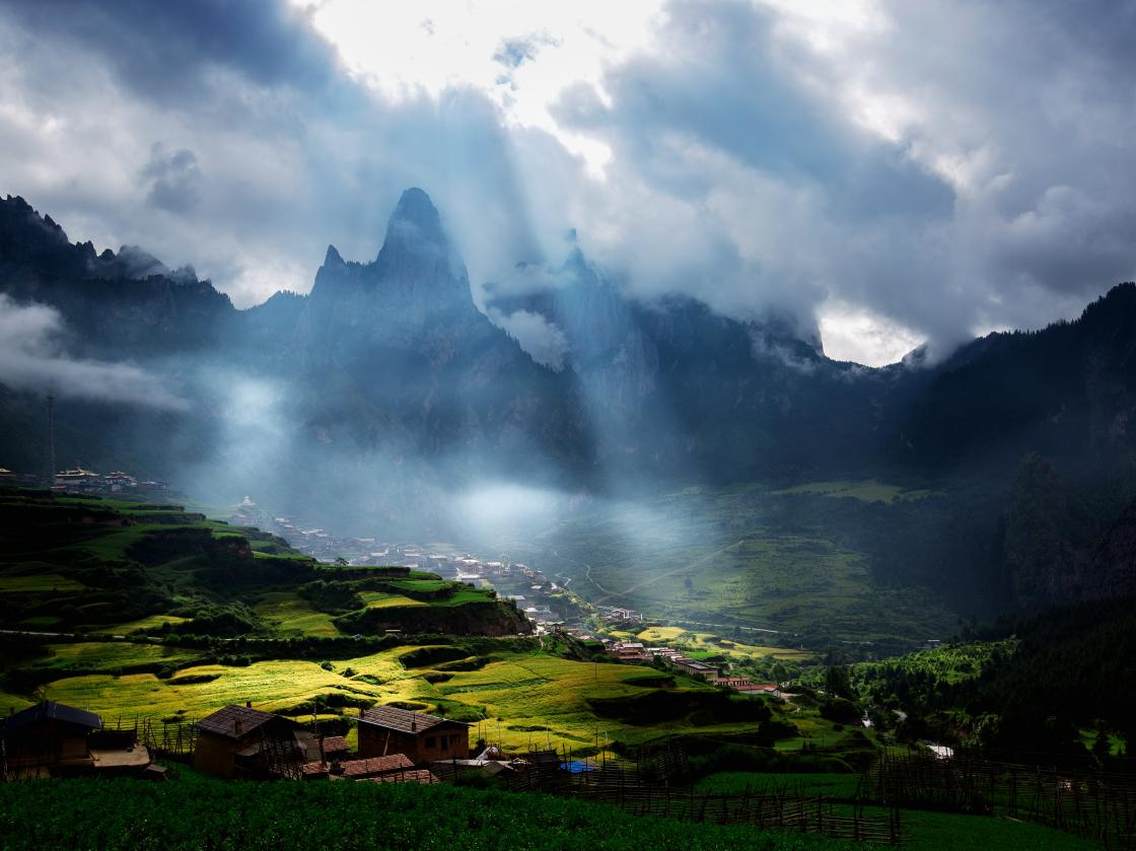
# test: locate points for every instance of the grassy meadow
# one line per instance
(745, 556)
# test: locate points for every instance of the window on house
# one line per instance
(429, 741)
(445, 741)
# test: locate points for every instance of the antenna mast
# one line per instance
(49, 460)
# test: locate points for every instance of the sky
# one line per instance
(897, 173)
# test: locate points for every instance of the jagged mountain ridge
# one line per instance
(394, 352)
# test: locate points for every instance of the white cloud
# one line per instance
(941, 168)
(31, 358)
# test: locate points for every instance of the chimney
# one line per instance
(248, 704)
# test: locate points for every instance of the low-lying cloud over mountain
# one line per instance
(32, 358)
(901, 172)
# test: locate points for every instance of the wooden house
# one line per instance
(48, 738)
(423, 738)
(239, 741)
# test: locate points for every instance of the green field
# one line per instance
(49, 582)
(382, 600)
(867, 490)
(702, 644)
(110, 566)
(147, 624)
(745, 557)
(511, 699)
(192, 812)
(737, 782)
(109, 656)
(287, 614)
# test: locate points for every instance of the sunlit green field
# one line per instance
(703, 643)
(743, 556)
(383, 600)
(867, 490)
(147, 624)
(288, 614)
(516, 699)
(47, 582)
(109, 656)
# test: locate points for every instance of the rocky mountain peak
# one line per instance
(415, 224)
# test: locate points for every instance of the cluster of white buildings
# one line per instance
(82, 480)
(615, 615)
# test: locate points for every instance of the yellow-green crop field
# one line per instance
(706, 642)
(524, 698)
(146, 624)
(41, 582)
(383, 600)
(110, 656)
(292, 615)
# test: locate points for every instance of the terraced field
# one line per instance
(516, 698)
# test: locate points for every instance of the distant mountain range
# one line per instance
(394, 354)
(386, 393)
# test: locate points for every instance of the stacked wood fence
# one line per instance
(1097, 804)
(169, 740)
(619, 783)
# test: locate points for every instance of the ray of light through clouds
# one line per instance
(893, 172)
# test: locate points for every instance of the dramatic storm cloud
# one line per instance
(31, 358)
(892, 172)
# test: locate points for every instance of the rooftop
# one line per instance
(402, 720)
(49, 710)
(375, 765)
(234, 721)
(414, 775)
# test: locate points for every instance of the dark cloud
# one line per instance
(171, 179)
(947, 167)
(164, 51)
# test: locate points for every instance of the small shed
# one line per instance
(423, 738)
(239, 741)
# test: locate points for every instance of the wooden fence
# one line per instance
(622, 785)
(1097, 804)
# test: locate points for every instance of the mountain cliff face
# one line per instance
(1067, 392)
(122, 305)
(394, 353)
(673, 384)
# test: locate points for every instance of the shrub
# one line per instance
(840, 709)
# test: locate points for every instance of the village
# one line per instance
(80, 480)
(395, 745)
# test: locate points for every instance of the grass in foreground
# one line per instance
(194, 812)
